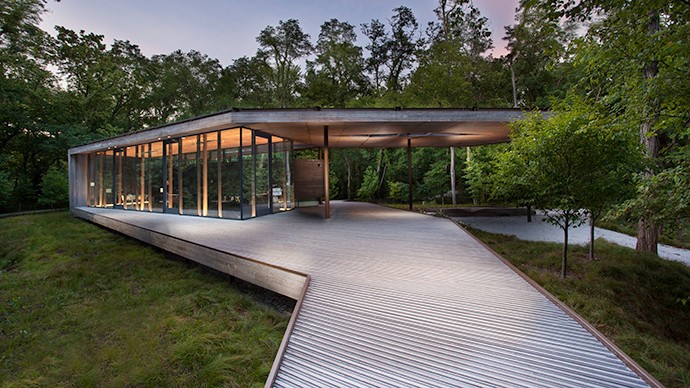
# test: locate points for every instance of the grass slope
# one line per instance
(632, 298)
(82, 306)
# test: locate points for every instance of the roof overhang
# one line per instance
(348, 128)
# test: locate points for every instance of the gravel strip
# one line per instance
(538, 230)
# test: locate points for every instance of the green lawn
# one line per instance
(633, 298)
(82, 306)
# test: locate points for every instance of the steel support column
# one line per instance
(326, 184)
(409, 173)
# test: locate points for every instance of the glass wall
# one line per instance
(127, 178)
(282, 189)
(100, 190)
(248, 200)
(209, 181)
(132, 194)
(118, 171)
(154, 176)
(230, 174)
(235, 173)
(172, 182)
(263, 152)
(190, 171)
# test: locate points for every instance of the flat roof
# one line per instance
(348, 128)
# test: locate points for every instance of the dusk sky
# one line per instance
(227, 30)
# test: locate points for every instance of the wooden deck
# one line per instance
(399, 299)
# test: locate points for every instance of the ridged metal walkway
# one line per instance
(402, 299)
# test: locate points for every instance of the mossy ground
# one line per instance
(80, 305)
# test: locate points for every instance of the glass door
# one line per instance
(119, 156)
(262, 173)
(172, 179)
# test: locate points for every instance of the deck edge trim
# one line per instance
(278, 360)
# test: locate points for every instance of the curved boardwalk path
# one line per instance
(403, 299)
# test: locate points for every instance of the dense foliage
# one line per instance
(623, 80)
(569, 165)
(64, 88)
(625, 64)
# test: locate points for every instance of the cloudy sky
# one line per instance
(227, 30)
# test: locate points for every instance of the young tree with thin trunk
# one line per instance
(569, 162)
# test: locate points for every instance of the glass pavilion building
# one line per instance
(233, 173)
(239, 164)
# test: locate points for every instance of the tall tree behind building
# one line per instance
(454, 69)
(536, 54)
(336, 75)
(282, 46)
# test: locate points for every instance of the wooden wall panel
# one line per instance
(308, 178)
(77, 170)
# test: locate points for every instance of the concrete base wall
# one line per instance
(78, 172)
(276, 279)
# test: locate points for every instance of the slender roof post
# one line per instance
(326, 184)
(219, 165)
(204, 177)
(409, 172)
(452, 175)
(164, 177)
(180, 203)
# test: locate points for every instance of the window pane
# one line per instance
(106, 174)
(282, 179)
(262, 175)
(100, 179)
(248, 182)
(234, 173)
(173, 177)
(154, 177)
(190, 175)
(119, 172)
(130, 178)
(230, 174)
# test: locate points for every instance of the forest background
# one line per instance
(614, 74)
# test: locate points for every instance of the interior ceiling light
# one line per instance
(412, 135)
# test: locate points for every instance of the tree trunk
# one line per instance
(469, 159)
(349, 181)
(410, 188)
(383, 179)
(564, 259)
(648, 232)
(512, 78)
(529, 213)
(648, 237)
(379, 173)
(592, 221)
(452, 174)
